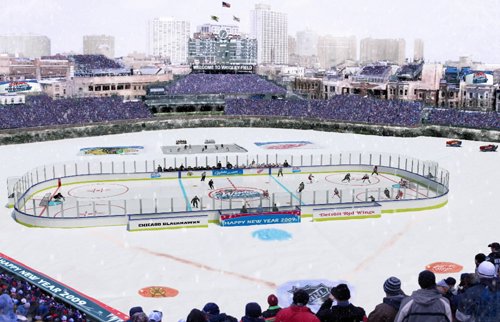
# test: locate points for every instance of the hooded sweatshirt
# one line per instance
(424, 305)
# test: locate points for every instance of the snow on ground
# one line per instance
(231, 267)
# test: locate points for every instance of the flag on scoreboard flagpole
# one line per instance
(236, 18)
(226, 4)
(214, 18)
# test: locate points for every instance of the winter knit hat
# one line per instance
(272, 300)
(300, 297)
(211, 308)
(155, 316)
(253, 310)
(134, 310)
(486, 270)
(341, 292)
(392, 286)
(426, 279)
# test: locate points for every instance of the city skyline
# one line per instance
(459, 28)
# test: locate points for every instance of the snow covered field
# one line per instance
(231, 267)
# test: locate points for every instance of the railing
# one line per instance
(426, 178)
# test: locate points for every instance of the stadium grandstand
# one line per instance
(343, 108)
(207, 91)
(411, 72)
(373, 74)
(97, 65)
(41, 110)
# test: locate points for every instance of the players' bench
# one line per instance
(45, 200)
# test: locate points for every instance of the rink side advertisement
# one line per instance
(263, 218)
(84, 303)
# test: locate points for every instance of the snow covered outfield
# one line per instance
(229, 266)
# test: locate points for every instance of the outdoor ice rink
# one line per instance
(232, 266)
(231, 192)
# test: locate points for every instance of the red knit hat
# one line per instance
(272, 300)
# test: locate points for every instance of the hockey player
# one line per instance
(301, 187)
(280, 171)
(195, 201)
(58, 197)
(336, 193)
(265, 194)
(387, 193)
(399, 195)
(403, 183)
(211, 184)
(372, 198)
(366, 177)
(347, 178)
(310, 178)
(375, 170)
(203, 176)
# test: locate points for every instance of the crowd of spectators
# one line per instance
(92, 65)
(470, 119)
(224, 84)
(346, 108)
(22, 301)
(375, 70)
(476, 298)
(43, 111)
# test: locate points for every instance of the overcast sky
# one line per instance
(449, 28)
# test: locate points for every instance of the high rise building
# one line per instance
(99, 45)
(29, 46)
(418, 50)
(270, 28)
(373, 50)
(307, 43)
(336, 50)
(168, 37)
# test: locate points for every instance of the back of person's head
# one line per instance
(253, 310)
(486, 270)
(139, 317)
(134, 310)
(196, 316)
(341, 292)
(392, 286)
(300, 297)
(211, 308)
(426, 279)
(155, 316)
(272, 300)
(479, 258)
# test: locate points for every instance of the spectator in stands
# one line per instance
(213, 314)
(23, 308)
(270, 314)
(446, 287)
(480, 302)
(134, 310)
(155, 316)
(253, 313)
(298, 310)
(343, 310)
(387, 310)
(425, 304)
(139, 317)
(196, 316)
(478, 259)
(7, 309)
(494, 256)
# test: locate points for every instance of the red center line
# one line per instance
(51, 196)
(231, 183)
(209, 268)
(406, 188)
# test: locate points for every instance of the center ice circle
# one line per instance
(236, 193)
